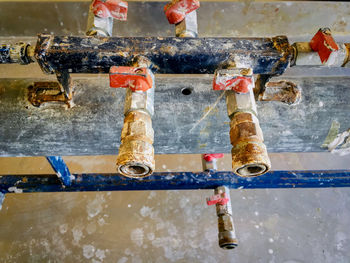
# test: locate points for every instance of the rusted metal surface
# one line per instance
(15, 53)
(47, 92)
(168, 55)
(249, 153)
(136, 153)
(282, 90)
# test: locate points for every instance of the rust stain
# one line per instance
(46, 92)
(284, 91)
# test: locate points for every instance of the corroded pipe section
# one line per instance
(136, 154)
(249, 153)
(227, 234)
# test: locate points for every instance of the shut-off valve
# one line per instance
(249, 153)
(136, 154)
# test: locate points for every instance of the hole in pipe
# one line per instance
(186, 91)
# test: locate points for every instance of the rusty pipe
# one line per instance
(136, 153)
(249, 153)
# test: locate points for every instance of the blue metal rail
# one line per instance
(172, 181)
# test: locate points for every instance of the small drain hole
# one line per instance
(186, 91)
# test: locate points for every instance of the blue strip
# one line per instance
(181, 180)
(61, 169)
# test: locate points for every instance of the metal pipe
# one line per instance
(136, 153)
(187, 27)
(21, 53)
(227, 234)
(171, 55)
(249, 153)
(305, 56)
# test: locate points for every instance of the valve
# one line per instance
(134, 78)
(117, 9)
(249, 153)
(136, 153)
(322, 50)
(236, 79)
(209, 161)
(101, 15)
(222, 200)
(324, 44)
(177, 10)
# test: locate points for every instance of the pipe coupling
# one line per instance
(136, 154)
(249, 153)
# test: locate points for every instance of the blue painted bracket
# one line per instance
(180, 180)
(61, 169)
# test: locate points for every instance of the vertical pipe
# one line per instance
(227, 234)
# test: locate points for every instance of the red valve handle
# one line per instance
(210, 157)
(177, 10)
(220, 199)
(130, 77)
(324, 44)
(238, 84)
(117, 9)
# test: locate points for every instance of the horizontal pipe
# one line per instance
(173, 181)
(169, 55)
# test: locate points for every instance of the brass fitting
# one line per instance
(227, 233)
(136, 155)
(249, 153)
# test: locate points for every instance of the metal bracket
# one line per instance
(61, 169)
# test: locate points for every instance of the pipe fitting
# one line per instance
(249, 153)
(99, 26)
(187, 27)
(136, 154)
(227, 234)
(305, 56)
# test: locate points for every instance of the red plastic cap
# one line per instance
(210, 157)
(220, 199)
(177, 10)
(324, 44)
(117, 9)
(130, 77)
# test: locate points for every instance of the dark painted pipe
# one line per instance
(169, 55)
(172, 181)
